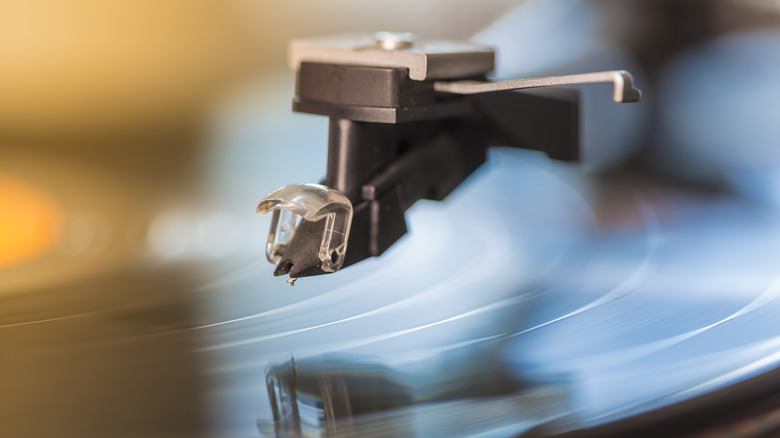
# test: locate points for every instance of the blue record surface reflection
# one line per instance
(591, 299)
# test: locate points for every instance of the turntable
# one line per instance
(460, 270)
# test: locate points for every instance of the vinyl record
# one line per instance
(533, 300)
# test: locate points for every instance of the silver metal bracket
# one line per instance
(624, 91)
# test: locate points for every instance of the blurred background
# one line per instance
(136, 139)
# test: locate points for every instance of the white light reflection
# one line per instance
(86, 235)
(193, 235)
(627, 286)
(168, 235)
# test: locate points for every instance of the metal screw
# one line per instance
(394, 40)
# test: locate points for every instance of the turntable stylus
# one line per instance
(409, 120)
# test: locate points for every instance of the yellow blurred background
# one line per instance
(88, 68)
(104, 107)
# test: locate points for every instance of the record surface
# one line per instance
(609, 298)
(536, 298)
